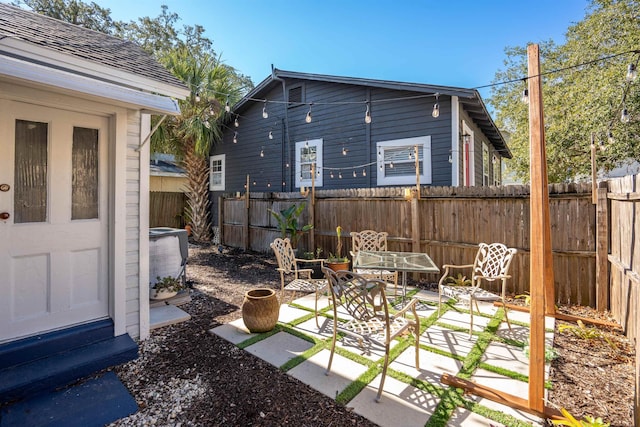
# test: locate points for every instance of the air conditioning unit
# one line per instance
(168, 252)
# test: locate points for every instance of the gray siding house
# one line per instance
(354, 133)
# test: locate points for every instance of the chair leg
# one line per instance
(333, 348)
(384, 372)
(471, 314)
(504, 305)
(439, 300)
(416, 335)
(316, 310)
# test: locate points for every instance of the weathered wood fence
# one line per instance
(446, 222)
(166, 209)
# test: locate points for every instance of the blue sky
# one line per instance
(451, 43)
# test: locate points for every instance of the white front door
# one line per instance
(53, 219)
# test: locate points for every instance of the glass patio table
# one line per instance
(417, 262)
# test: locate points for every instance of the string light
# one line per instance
(344, 151)
(610, 137)
(340, 175)
(624, 116)
(391, 165)
(364, 172)
(436, 108)
(227, 106)
(632, 73)
(354, 174)
(331, 174)
(306, 144)
(270, 134)
(197, 97)
(525, 96)
(236, 123)
(235, 137)
(206, 124)
(265, 115)
(308, 117)
(262, 152)
(367, 115)
(269, 184)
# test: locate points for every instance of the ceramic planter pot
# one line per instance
(337, 266)
(260, 310)
(161, 294)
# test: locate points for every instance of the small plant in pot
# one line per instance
(313, 261)
(336, 261)
(165, 287)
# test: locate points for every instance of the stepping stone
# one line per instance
(278, 349)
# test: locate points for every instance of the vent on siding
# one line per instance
(295, 96)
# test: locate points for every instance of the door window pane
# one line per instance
(30, 197)
(84, 182)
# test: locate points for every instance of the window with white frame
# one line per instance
(308, 153)
(397, 161)
(216, 172)
(497, 165)
(485, 164)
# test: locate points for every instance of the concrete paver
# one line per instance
(401, 403)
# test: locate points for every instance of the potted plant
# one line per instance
(165, 287)
(336, 261)
(312, 260)
(288, 223)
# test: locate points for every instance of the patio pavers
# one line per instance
(443, 350)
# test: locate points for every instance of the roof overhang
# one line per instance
(62, 72)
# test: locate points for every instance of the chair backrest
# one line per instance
(492, 260)
(284, 254)
(362, 298)
(368, 240)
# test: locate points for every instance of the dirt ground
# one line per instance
(187, 376)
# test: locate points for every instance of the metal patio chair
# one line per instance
(371, 240)
(491, 264)
(369, 320)
(293, 278)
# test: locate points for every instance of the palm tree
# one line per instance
(192, 134)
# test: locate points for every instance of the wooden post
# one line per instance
(415, 154)
(594, 179)
(602, 250)
(415, 224)
(247, 209)
(541, 275)
(221, 218)
(312, 210)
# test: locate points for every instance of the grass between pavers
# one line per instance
(450, 398)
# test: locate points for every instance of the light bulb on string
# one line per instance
(306, 144)
(206, 124)
(254, 183)
(436, 108)
(344, 151)
(632, 72)
(211, 112)
(364, 172)
(236, 123)
(265, 115)
(391, 165)
(197, 97)
(354, 174)
(367, 115)
(340, 174)
(262, 153)
(227, 106)
(308, 117)
(624, 116)
(331, 174)
(235, 137)
(270, 134)
(287, 165)
(525, 96)
(610, 138)
(269, 184)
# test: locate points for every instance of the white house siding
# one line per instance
(133, 225)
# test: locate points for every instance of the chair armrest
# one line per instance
(320, 260)
(410, 305)
(457, 266)
(447, 267)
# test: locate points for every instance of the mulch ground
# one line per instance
(187, 376)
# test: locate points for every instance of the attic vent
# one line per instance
(295, 96)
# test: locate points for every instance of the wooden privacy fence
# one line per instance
(446, 222)
(166, 209)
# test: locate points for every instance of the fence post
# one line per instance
(247, 209)
(221, 218)
(415, 224)
(602, 251)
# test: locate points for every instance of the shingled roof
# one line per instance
(82, 43)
